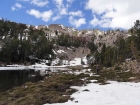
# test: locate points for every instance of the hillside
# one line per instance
(71, 53)
(32, 44)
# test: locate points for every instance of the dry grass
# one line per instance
(55, 89)
(115, 75)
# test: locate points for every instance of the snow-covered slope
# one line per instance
(111, 94)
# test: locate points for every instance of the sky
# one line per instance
(80, 14)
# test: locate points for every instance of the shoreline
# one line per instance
(39, 67)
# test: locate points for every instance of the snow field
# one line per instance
(114, 93)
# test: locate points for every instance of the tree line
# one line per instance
(15, 48)
(123, 49)
(38, 46)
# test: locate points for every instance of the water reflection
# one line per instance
(11, 78)
(51, 69)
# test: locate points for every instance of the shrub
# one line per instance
(117, 68)
(92, 78)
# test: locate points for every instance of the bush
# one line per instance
(92, 78)
(117, 68)
(82, 75)
(109, 75)
(124, 76)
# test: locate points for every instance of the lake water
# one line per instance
(11, 78)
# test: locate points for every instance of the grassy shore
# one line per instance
(56, 88)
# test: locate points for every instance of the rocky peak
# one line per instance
(60, 27)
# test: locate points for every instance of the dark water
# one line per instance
(11, 78)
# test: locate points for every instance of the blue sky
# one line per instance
(81, 14)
